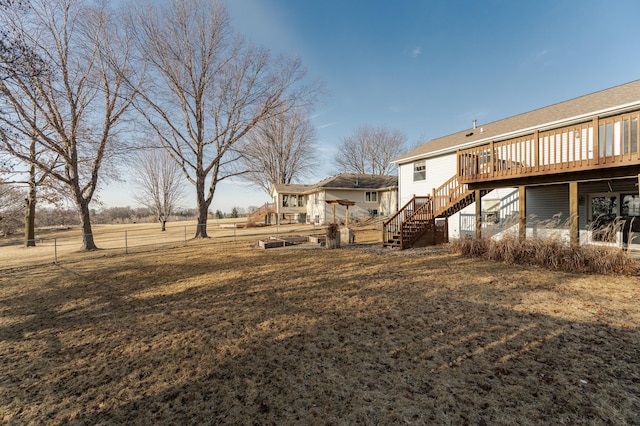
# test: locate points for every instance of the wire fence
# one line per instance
(65, 245)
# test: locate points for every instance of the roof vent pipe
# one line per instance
(475, 122)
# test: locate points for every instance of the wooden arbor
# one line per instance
(342, 202)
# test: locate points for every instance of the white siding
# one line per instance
(438, 171)
(316, 205)
(388, 202)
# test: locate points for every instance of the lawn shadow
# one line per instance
(320, 338)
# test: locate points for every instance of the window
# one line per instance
(603, 214)
(300, 200)
(294, 201)
(285, 201)
(371, 197)
(419, 170)
(630, 205)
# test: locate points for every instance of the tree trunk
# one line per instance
(201, 230)
(85, 221)
(164, 223)
(203, 211)
(30, 213)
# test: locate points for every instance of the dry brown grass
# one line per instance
(225, 334)
(550, 253)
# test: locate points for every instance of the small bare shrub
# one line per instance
(470, 247)
(332, 230)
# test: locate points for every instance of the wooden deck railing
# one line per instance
(393, 226)
(599, 143)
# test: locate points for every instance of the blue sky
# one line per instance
(429, 68)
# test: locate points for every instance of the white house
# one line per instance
(571, 167)
(372, 195)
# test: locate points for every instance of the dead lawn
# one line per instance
(222, 333)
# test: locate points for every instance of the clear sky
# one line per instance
(430, 67)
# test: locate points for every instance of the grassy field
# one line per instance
(63, 244)
(221, 333)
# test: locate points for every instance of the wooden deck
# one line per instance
(604, 147)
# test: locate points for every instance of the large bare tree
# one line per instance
(159, 183)
(370, 150)
(72, 109)
(279, 149)
(206, 88)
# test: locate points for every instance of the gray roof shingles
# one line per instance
(583, 105)
(343, 181)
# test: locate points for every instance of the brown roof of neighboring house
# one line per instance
(358, 181)
(342, 181)
(291, 187)
(586, 105)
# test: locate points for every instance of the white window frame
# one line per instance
(371, 196)
(419, 170)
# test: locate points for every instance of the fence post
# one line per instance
(234, 232)
(126, 245)
(185, 235)
(55, 250)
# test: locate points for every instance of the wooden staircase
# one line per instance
(260, 213)
(418, 216)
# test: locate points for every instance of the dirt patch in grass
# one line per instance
(225, 334)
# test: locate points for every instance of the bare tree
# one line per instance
(206, 88)
(279, 149)
(18, 57)
(159, 183)
(11, 208)
(72, 108)
(370, 150)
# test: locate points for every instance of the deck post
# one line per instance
(347, 217)
(522, 213)
(574, 231)
(478, 214)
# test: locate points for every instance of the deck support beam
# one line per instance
(574, 230)
(478, 214)
(522, 213)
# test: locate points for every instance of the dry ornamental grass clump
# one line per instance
(551, 254)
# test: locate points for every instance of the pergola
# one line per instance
(343, 202)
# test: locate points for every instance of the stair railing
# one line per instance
(415, 225)
(261, 212)
(392, 227)
(448, 194)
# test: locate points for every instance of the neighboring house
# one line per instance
(570, 169)
(290, 201)
(373, 195)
